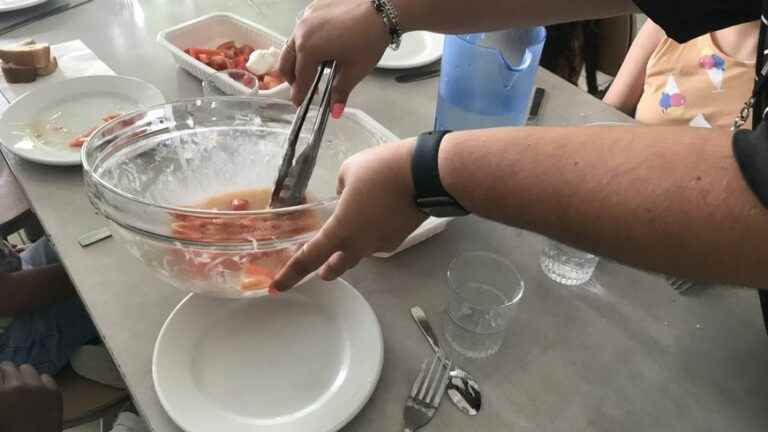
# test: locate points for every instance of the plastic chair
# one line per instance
(86, 401)
(606, 43)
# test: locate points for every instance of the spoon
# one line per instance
(463, 388)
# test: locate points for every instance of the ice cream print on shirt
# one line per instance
(699, 121)
(672, 101)
(714, 66)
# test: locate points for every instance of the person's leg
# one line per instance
(38, 254)
(48, 337)
(94, 363)
(129, 422)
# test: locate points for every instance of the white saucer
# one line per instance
(417, 49)
(12, 5)
(305, 360)
(38, 125)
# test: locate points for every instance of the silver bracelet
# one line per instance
(391, 19)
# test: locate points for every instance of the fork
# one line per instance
(679, 285)
(426, 393)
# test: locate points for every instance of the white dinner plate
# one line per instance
(12, 5)
(417, 49)
(304, 360)
(38, 125)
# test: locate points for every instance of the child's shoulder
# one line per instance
(670, 49)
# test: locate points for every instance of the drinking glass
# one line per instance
(483, 291)
(567, 265)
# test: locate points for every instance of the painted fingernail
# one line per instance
(278, 286)
(337, 110)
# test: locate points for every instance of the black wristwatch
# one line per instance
(430, 195)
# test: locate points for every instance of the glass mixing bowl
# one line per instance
(148, 172)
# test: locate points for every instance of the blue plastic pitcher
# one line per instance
(487, 78)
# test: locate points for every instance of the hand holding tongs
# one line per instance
(293, 178)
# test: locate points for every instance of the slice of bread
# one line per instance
(47, 70)
(33, 55)
(15, 74)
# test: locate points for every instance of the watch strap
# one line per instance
(429, 190)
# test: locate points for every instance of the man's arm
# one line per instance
(27, 290)
(459, 16)
(664, 199)
(354, 35)
(627, 88)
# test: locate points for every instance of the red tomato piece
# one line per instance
(218, 62)
(253, 283)
(270, 82)
(255, 277)
(229, 53)
(253, 269)
(194, 52)
(77, 141)
(240, 204)
(247, 80)
(239, 62)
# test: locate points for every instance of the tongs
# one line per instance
(293, 177)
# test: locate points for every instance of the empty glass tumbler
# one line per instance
(483, 292)
(567, 265)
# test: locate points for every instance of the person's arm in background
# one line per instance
(354, 35)
(627, 88)
(670, 200)
(27, 290)
(457, 16)
(29, 402)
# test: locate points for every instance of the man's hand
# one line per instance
(29, 402)
(376, 212)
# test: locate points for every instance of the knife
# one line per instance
(418, 75)
(533, 114)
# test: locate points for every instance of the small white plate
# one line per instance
(38, 125)
(417, 49)
(304, 360)
(12, 5)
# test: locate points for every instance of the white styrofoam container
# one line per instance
(211, 30)
(429, 228)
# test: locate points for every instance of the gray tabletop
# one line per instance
(622, 353)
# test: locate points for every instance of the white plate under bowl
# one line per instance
(304, 360)
(12, 5)
(417, 49)
(76, 104)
